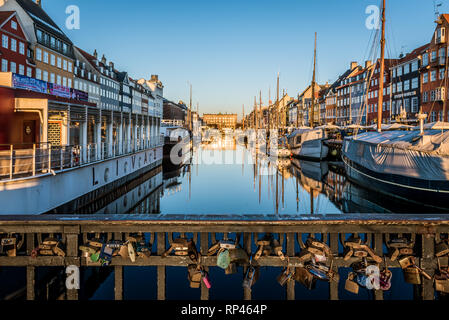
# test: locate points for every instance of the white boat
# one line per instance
(308, 144)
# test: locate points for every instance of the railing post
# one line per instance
(428, 265)
(290, 246)
(333, 285)
(160, 269)
(204, 246)
(10, 161)
(49, 158)
(71, 157)
(247, 248)
(378, 249)
(118, 282)
(34, 160)
(31, 274)
(72, 258)
(62, 158)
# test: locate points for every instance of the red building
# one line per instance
(373, 92)
(15, 55)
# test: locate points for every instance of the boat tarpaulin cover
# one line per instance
(404, 153)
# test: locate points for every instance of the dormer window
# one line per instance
(14, 25)
(440, 35)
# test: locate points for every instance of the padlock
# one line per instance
(132, 251)
(95, 257)
(239, 256)
(213, 250)
(315, 250)
(441, 279)
(223, 259)
(385, 277)
(123, 251)
(318, 271)
(348, 253)
(50, 242)
(143, 251)
(96, 243)
(58, 249)
(304, 277)
(406, 251)
(105, 256)
(286, 276)
(231, 269)
(192, 252)
(441, 249)
(250, 276)
(305, 256)
(206, 280)
(9, 246)
(261, 247)
(407, 262)
(412, 275)
(194, 276)
(360, 253)
(277, 248)
(351, 285)
(227, 244)
(312, 242)
(393, 254)
(88, 250)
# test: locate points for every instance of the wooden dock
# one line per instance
(333, 231)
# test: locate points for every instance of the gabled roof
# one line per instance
(93, 62)
(414, 54)
(5, 16)
(41, 18)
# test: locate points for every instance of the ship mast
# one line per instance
(312, 114)
(382, 71)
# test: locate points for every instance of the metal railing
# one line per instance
(29, 160)
(378, 236)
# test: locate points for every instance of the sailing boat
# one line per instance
(411, 165)
(306, 142)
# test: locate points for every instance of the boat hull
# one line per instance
(312, 149)
(431, 194)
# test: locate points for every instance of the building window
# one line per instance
(415, 83)
(415, 104)
(59, 63)
(52, 42)
(29, 72)
(45, 76)
(52, 60)
(59, 80)
(433, 117)
(13, 45)
(425, 97)
(14, 25)
(13, 67)
(69, 83)
(21, 69)
(433, 76)
(441, 75)
(64, 65)
(399, 71)
(52, 78)
(406, 68)
(425, 77)
(406, 85)
(38, 74)
(399, 87)
(4, 65)
(70, 65)
(425, 59)
(434, 56)
(38, 54)
(414, 66)
(64, 81)
(45, 57)
(21, 48)
(5, 42)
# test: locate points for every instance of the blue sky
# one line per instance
(229, 50)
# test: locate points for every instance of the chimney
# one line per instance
(368, 64)
(154, 78)
(103, 60)
(353, 65)
(111, 65)
(96, 54)
(39, 3)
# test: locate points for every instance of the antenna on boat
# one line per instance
(382, 72)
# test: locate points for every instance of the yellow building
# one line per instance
(220, 120)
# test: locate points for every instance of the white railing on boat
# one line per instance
(29, 160)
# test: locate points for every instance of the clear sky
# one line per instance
(229, 50)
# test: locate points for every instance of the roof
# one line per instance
(5, 16)
(414, 54)
(42, 19)
(92, 60)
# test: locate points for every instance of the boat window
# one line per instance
(298, 140)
